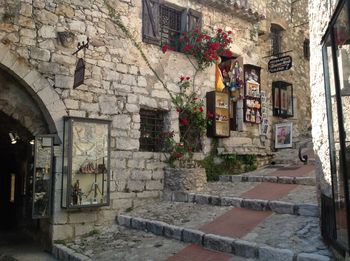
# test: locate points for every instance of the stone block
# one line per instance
(148, 194)
(191, 197)
(122, 203)
(255, 204)
(39, 54)
(236, 178)
(154, 185)
(46, 17)
(255, 178)
(124, 220)
(225, 178)
(281, 207)
(286, 180)
(231, 201)
(202, 199)
(82, 229)
(245, 248)
(193, 236)
(108, 104)
(77, 26)
(62, 81)
(309, 181)
(155, 227)
(136, 185)
(272, 179)
(174, 232)
(47, 31)
(82, 217)
(218, 243)
(62, 232)
(309, 210)
(138, 223)
(269, 253)
(139, 174)
(215, 200)
(179, 196)
(311, 257)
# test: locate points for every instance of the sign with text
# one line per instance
(280, 64)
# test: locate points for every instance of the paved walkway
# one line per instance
(207, 220)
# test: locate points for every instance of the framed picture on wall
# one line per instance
(283, 135)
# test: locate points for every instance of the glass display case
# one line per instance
(42, 177)
(252, 94)
(282, 93)
(86, 162)
(218, 106)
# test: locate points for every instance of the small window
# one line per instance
(276, 39)
(163, 23)
(307, 49)
(152, 125)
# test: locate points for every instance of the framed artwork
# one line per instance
(264, 129)
(283, 135)
(253, 89)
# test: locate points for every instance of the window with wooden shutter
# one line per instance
(194, 20)
(150, 21)
(163, 23)
(276, 39)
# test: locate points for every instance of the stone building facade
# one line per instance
(38, 39)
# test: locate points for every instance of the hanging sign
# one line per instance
(283, 63)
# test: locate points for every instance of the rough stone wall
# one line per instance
(118, 83)
(320, 13)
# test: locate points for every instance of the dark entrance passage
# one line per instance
(16, 174)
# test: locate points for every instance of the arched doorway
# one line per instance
(21, 120)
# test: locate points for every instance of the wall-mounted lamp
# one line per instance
(31, 142)
(13, 137)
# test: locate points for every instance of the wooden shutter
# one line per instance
(150, 21)
(194, 20)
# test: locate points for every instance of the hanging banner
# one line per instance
(280, 64)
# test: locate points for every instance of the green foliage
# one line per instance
(228, 164)
(91, 233)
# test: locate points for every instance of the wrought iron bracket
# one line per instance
(82, 46)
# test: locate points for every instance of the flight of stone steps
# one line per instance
(268, 214)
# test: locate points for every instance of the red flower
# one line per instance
(215, 46)
(195, 109)
(195, 98)
(201, 109)
(196, 30)
(187, 48)
(182, 78)
(188, 78)
(189, 149)
(184, 122)
(229, 32)
(178, 155)
(178, 110)
(165, 48)
(219, 30)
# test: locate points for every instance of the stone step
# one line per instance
(259, 249)
(276, 206)
(308, 181)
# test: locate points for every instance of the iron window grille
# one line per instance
(170, 25)
(276, 39)
(152, 125)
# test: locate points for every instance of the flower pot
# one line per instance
(184, 179)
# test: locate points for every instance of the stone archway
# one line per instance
(42, 93)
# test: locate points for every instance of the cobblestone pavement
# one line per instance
(188, 215)
(117, 243)
(299, 234)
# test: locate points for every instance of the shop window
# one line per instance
(162, 23)
(282, 99)
(307, 49)
(276, 39)
(86, 163)
(152, 125)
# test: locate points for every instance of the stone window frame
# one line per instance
(155, 32)
(306, 49)
(276, 33)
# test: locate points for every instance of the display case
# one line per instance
(86, 162)
(42, 177)
(219, 109)
(252, 94)
(282, 93)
